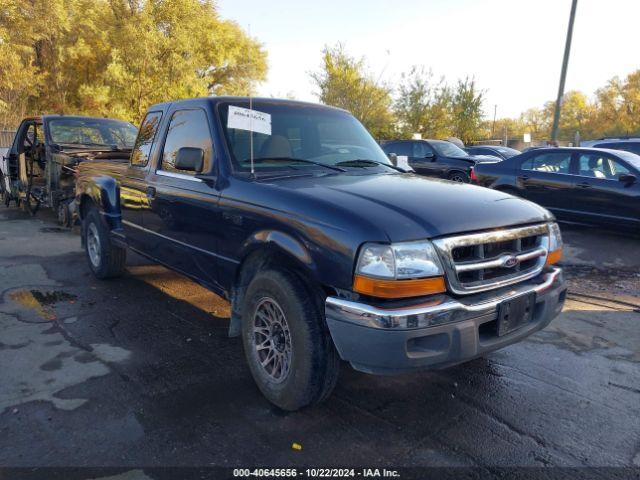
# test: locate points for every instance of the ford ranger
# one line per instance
(323, 247)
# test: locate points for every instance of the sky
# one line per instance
(513, 48)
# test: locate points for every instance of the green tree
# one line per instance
(467, 110)
(344, 82)
(116, 57)
(423, 105)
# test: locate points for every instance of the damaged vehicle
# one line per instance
(40, 166)
(324, 248)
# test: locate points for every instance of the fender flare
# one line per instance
(276, 241)
(104, 192)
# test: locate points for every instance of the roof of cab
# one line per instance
(223, 99)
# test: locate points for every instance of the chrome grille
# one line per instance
(487, 260)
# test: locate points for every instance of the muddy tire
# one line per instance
(106, 260)
(286, 342)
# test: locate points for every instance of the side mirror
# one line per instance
(393, 157)
(627, 178)
(189, 159)
(430, 156)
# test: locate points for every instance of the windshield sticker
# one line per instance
(252, 120)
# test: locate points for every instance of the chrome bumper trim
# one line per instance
(442, 309)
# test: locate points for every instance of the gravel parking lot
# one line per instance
(140, 372)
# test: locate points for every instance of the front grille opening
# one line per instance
(464, 254)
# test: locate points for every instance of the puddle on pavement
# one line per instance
(41, 302)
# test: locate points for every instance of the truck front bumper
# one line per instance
(438, 333)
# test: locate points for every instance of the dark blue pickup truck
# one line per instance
(324, 248)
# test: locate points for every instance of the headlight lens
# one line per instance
(555, 237)
(399, 261)
(555, 244)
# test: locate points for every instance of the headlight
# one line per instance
(399, 270)
(555, 244)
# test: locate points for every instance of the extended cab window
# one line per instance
(187, 128)
(549, 163)
(144, 141)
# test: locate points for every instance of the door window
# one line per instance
(401, 149)
(421, 150)
(557, 162)
(187, 128)
(599, 166)
(144, 141)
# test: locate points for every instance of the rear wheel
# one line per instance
(106, 260)
(287, 344)
(459, 177)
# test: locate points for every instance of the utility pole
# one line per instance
(493, 127)
(563, 73)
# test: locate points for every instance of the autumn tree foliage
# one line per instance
(116, 57)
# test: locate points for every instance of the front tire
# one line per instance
(287, 344)
(106, 260)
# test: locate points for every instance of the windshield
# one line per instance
(92, 132)
(507, 152)
(448, 149)
(288, 136)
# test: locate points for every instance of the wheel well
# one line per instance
(264, 258)
(456, 170)
(86, 203)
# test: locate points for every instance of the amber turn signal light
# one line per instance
(398, 288)
(553, 257)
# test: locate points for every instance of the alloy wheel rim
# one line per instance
(93, 245)
(272, 340)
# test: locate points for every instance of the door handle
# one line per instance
(584, 185)
(523, 177)
(151, 192)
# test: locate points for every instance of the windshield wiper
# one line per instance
(363, 162)
(298, 160)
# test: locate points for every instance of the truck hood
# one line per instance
(409, 207)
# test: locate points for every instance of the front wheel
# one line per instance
(106, 260)
(287, 344)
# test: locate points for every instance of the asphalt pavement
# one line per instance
(139, 372)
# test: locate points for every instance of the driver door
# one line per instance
(424, 161)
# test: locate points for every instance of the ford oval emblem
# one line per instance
(510, 262)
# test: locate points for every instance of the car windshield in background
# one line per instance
(92, 132)
(507, 152)
(298, 136)
(448, 149)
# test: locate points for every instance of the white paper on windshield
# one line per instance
(402, 161)
(252, 120)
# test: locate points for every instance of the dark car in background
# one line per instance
(585, 185)
(493, 150)
(436, 158)
(629, 144)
